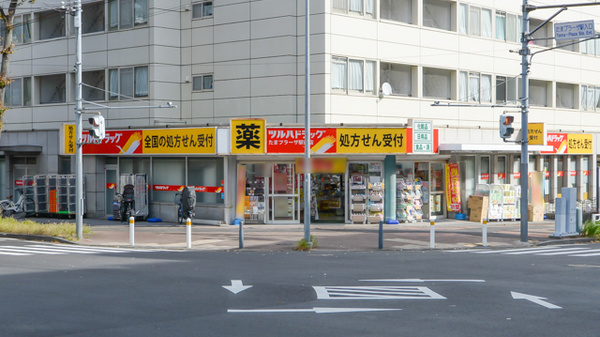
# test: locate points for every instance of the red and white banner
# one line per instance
(179, 188)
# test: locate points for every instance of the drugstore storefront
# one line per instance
(358, 175)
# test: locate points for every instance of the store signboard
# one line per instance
(248, 136)
(322, 165)
(422, 136)
(371, 140)
(453, 187)
(291, 140)
(570, 143)
(152, 141)
(574, 30)
(536, 134)
(68, 139)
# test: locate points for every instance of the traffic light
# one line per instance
(97, 131)
(506, 129)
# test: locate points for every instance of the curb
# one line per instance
(31, 237)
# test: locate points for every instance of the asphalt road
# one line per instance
(101, 292)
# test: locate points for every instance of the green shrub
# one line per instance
(303, 245)
(591, 229)
(64, 229)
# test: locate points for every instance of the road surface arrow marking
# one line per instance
(236, 286)
(534, 299)
(315, 310)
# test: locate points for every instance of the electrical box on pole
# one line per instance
(506, 128)
(98, 131)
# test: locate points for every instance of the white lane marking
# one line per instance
(29, 250)
(534, 299)
(12, 254)
(375, 293)
(316, 310)
(541, 249)
(548, 251)
(573, 251)
(415, 280)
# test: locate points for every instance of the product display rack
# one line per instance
(358, 199)
(375, 203)
(504, 201)
(409, 200)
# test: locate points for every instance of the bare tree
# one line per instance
(7, 14)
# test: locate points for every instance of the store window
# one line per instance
(501, 170)
(206, 172)
(437, 83)
(366, 192)
(437, 188)
(167, 171)
(516, 170)
(396, 10)
(585, 177)
(559, 176)
(484, 170)
(399, 76)
(546, 170)
(572, 171)
(437, 14)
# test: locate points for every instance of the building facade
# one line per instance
(377, 67)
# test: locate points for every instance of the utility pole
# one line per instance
(307, 188)
(524, 124)
(78, 125)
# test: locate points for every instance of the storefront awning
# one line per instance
(24, 149)
(487, 148)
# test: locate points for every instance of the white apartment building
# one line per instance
(375, 65)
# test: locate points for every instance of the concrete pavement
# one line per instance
(449, 234)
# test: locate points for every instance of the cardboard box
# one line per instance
(535, 213)
(476, 201)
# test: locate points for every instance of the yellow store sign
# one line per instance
(536, 134)
(192, 141)
(248, 136)
(371, 140)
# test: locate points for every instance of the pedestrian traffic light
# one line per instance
(97, 132)
(506, 128)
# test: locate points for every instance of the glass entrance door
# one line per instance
(283, 194)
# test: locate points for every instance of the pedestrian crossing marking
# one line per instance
(540, 251)
(375, 293)
(62, 249)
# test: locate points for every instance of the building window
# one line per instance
(437, 83)
(475, 87)
(206, 172)
(359, 7)
(18, 92)
(475, 21)
(52, 89)
(93, 85)
(92, 19)
(353, 75)
(396, 10)
(51, 25)
(590, 98)
(202, 10)
(538, 93)
(21, 32)
(127, 83)
(124, 14)
(541, 33)
(203, 82)
(399, 76)
(437, 14)
(565, 96)
(506, 27)
(506, 89)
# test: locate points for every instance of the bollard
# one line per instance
(380, 234)
(131, 231)
(432, 234)
(484, 233)
(188, 231)
(241, 234)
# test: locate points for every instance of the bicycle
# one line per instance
(179, 205)
(9, 207)
(185, 202)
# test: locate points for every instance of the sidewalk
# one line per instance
(449, 234)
